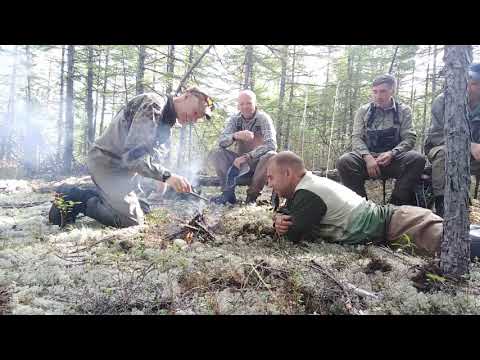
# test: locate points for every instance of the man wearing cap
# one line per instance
(124, 150)
(253, 134)
(382, 142)
(435, 140)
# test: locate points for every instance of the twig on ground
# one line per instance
(358, 291)
(22, 205)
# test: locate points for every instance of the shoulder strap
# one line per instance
(370, 114)
(396, 116)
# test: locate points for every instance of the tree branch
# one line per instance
(187, 74)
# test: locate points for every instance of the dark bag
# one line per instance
(379, 141)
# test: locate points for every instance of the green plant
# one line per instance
(65, 207)
(405, 242)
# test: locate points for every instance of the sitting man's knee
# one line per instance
(342, 161)
(418, 159)
(215, 154)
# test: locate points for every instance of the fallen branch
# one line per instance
(21, 205)
(81, 262)
(361, 292)
(344, 286)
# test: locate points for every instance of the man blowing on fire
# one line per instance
(318, 208)
(126, 149)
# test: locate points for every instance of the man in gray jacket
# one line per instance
(253, 133)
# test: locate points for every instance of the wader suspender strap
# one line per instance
(371, 114)
(396, 118)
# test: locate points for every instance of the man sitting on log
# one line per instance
(435, 140)
(124, 150)
(253, 133)
(320, 208)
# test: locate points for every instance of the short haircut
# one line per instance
(385, 79)
(249, 93)
(288, 159)
(194, 90)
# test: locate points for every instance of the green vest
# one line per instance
(350, 218)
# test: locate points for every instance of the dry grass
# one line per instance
(244, 269)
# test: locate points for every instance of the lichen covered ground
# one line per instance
(87, 268)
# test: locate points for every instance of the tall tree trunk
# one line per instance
(60, 112)
(49, 81)
(141, 69)
(114, 94)
(394, 57)
(290, 99)
(104, 91)
(412, 87)
(248, 68)
(281, 97)
(183, 129)
(354, 96)
(170, 68)
(89, 101)
(28, 54)
(434, 73)
(424, 121)
(154, 73)
(125, 77)
(348, 84)
(303, 124)
(69, 114)
(324, 112)
(7, 148)
(30, 160)
(168, 90)
(455, 251)
(97, 92)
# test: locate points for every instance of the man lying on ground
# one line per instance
(320, 208)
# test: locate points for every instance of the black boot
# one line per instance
(68, 203)
(394, 200)
(145, 206)
(439, 205)
(225, 197)
(252, 198)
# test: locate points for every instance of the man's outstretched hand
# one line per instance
(179, 183)
(282, 223)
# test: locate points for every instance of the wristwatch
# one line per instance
(395, 152)
(166, 175)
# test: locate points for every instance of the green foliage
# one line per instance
(316, 68)
(405, 243)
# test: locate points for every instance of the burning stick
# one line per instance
(198, 196)
(197, 224)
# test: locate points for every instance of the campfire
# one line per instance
(196, 228)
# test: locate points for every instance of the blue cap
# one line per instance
(474, 71)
